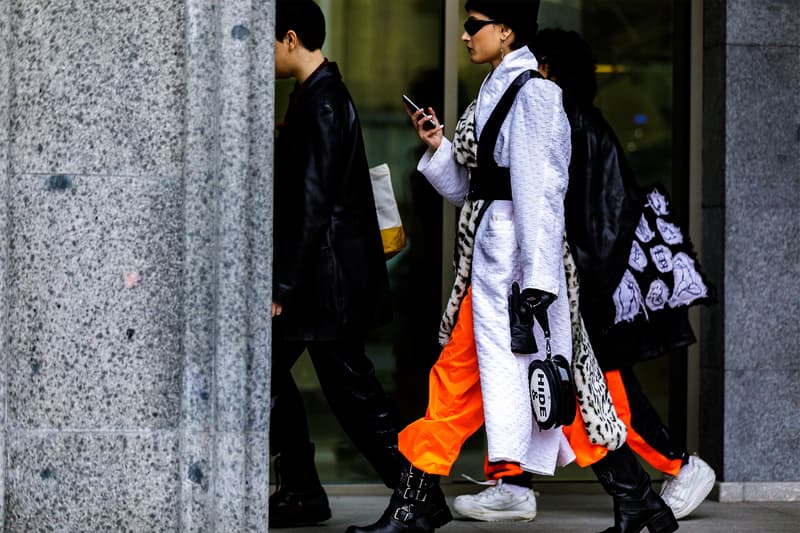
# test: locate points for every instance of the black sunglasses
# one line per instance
(473, 26)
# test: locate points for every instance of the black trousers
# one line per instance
(647, 423)
(356, 397)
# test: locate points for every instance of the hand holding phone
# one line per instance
(429, 124)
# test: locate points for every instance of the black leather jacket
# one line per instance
(329, 271)
(603, 207)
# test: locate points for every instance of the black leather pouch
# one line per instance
(552, 388)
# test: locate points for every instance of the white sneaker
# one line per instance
(686, 491)
(496, 504)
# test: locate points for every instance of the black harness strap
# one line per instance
(489, 181)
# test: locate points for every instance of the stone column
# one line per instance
(4, 251)
(751, 200)
(227, 287)
(135, 148)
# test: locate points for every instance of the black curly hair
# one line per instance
(570, 63)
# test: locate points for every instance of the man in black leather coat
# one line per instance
(330, 284)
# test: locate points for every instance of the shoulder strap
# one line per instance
(492, 128)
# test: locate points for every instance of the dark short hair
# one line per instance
(519, 15)
(305, 18)
(570, 61)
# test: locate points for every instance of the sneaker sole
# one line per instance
(494, 516)
(694, 503)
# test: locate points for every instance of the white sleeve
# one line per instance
(539, 152)
(440, 168)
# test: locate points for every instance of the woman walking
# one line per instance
(507, 170)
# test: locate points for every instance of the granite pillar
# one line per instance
(751, 201)
(4, 251)
(135, 148)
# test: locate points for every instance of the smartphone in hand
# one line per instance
(428, 124)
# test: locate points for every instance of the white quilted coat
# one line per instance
(516, 240)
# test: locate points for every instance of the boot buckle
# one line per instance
(415, 494)
(406, 510)
(421, 479)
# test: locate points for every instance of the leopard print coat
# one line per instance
(465, 150)
(597, 411)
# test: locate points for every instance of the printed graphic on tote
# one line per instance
(643, 232)
(669, 232)
(662, 258)
(658, 203)
(638, 259)
(628, 298)
(657, 295)
(659, 248)
(689, 284)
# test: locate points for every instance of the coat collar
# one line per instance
(326, 70)
(499, 79)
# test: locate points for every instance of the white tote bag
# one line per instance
(392, 234)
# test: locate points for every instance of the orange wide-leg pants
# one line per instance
(455, 404)
(455, 412)
(587, 453)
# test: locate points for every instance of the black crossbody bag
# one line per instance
(551, 386)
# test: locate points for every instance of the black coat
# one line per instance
(329, 272)
(603, 207)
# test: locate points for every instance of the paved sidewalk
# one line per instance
(563, 507)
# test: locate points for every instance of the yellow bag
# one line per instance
(392, 234)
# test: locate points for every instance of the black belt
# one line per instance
(493, 183)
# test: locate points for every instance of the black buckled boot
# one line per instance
(417, 505)
(299, 499)
(636, 505)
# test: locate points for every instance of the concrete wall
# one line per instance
(135, 150)
(750, 397)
